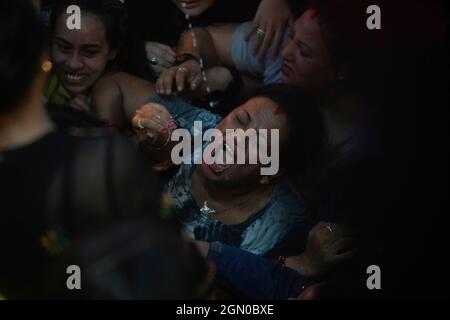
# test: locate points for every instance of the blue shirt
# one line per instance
(267, 68)
(259, 233)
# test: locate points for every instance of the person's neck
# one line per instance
(221, 194)
(340, 112)
(26, 124)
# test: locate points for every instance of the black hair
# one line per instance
(22, 43)
(306, 132)
(137, 260)
(343, 27)
(112, 13)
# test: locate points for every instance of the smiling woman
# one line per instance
(82, 56)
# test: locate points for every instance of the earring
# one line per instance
(47, 66)
(264, 180)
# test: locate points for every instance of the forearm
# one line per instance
(198, 42)
(255, 276)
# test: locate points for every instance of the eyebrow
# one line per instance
(84, 46)
(299, 43)
(63, 40)
(91, 46)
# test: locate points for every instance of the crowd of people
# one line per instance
(87, 132)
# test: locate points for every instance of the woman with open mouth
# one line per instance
(82, 56)
(233, 203)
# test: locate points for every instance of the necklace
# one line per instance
(207, 212)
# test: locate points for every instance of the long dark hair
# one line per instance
(111, 12)
(306, 132)
(22, 43)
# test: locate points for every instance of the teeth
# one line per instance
(218, 168)
(74, 77)
(228, 148)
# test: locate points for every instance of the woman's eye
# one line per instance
(243, 118)
(304, 54)
(89, 54)
(63, 48)
(240, 119)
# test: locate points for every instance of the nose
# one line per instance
(74, 63)
(287, 51)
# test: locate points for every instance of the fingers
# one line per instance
(252, 30)
(168, 50)
(164, 55)
(195, 81)
(258, 43)
(159, 50)
(165, 82)
(267, 41)
(276, 43)
(181, 76)
(80, 104)
(177, 76)
(157, 69)
(158, 115)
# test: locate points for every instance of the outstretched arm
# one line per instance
(117, 97)
(205, 49)
(211, 44)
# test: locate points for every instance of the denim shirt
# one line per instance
(259, 233)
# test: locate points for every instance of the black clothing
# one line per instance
(67, 183)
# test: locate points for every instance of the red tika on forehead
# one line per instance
(278, 111)
(312, 14)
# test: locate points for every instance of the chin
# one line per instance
(76, 90)
(194, 12)
(213, 176)
(288, 80)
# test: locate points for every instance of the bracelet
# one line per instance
(281, 260)
(182, 58)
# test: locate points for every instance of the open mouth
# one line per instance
(74, 78)
(220, 168)
(189, 4)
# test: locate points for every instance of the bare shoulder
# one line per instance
(135, 91)
(222, 36)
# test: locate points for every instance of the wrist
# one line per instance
(184, 57)
(303, 264)
(161, 141)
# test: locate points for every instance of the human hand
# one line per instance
(159, 56)
(153, 124)
(328, 244)
(269, 25)
(188, 75)
(80, 103)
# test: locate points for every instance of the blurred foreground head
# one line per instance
(136, 261)
(22, 43)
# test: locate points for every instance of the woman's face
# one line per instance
(307, 60)
(80, 56)
(194, 8)
(257, 113)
